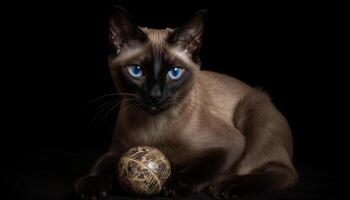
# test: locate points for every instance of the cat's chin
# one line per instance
(153, 110)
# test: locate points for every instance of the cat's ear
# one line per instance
(123, 28)
(189, 36)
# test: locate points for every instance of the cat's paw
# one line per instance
(93, 188)
(222, 191)
(231, 189)
(177, 187)
(182, 184)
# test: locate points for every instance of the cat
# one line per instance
(222, 136)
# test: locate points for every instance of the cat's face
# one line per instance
(154, 68)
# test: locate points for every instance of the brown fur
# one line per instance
(222, 135)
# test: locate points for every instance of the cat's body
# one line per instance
(221, 136)
(182, 128)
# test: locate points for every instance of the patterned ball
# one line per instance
(143, 170)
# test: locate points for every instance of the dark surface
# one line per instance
(50, 175)
(57, 62)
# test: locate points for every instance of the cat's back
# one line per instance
(222, 84)
(221, 93)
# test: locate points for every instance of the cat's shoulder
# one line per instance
(223, 80)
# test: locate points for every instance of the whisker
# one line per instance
(112, 95)
(130, 106)
(106, 104)
(128, 95)
(109, 111)
(133, 103)
(126, 100)
(107, 108)
(101, 97)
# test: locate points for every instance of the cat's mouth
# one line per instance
(155, 109)
(152, 110)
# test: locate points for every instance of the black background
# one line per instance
(58, 64)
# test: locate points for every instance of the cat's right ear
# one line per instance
(123, 29)
(189, 36)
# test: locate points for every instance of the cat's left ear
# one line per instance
(190, 35)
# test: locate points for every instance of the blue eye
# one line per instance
(135, 70)
(175, 73)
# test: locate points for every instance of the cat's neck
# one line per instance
(182, 110)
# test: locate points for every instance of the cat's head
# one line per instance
(155, 68)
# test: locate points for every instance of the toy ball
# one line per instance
(143, 170)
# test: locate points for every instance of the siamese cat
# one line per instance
(222, 136)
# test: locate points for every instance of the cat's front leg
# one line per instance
(97, 184)
(195, 176)
(215, 153)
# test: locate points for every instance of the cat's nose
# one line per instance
(155, 95)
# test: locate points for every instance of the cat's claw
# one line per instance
(168, 192)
